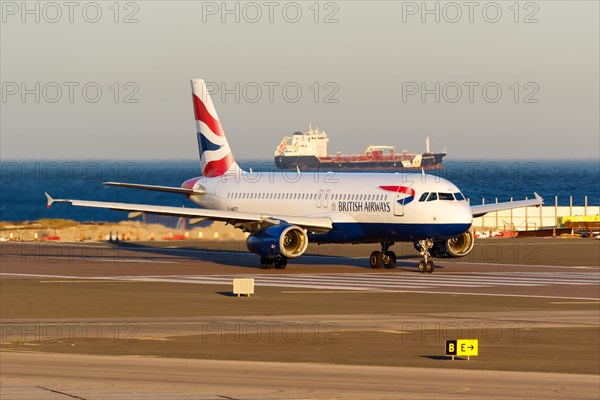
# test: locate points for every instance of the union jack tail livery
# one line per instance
(215, 155)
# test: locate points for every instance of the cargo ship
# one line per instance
(308, 152)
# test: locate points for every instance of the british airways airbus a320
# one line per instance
(284, 214)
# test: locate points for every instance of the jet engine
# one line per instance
(457, 246)
(289, 241)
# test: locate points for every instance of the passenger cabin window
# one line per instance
(432, 196)
(446, 196)
(459, 196)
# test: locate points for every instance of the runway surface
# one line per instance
(553, 284)
(66, 376)
(95, 321)
(487, 272)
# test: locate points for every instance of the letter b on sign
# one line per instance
(450, 347)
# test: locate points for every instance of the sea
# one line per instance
(23, 183)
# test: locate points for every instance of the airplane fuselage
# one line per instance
(363, 207)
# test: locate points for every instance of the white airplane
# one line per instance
(283, 212)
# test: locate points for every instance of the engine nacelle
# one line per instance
(277, 241)
(457, 246)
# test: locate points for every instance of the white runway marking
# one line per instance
(390, 281)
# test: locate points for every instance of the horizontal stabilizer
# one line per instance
(169, 189)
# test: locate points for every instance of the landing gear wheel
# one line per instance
(280, 264)
(389, 260)
(266, 263)
(393, 255)
(384, 257)
(424, 246)
(376, 260)
(429, 267)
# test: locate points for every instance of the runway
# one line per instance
(66, 376)
(490, 270)
(94, 321)
(551, 284)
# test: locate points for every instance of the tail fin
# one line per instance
(215, 156)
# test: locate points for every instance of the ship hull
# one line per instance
(313, 163)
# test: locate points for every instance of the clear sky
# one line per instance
(485, 80)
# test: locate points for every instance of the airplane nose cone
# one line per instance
(466, 214)
(461, 220)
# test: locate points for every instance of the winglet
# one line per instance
(50, 199)
(539, 198)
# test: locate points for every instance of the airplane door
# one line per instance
(320, 198)
(404, 195)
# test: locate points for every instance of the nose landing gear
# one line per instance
(425, 265)
(385, 257)
(278, 263)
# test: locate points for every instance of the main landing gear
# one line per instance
(425, 265)
(384, 257)
(278, 263)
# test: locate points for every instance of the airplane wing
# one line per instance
(168, 189)
(483, 209)
(251, 221)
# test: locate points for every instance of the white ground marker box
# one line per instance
(243, 286)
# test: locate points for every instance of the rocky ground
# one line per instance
(72, 231)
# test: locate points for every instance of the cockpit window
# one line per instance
(445, 196)
(432, 196)
(423, 196)
(459, 196)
